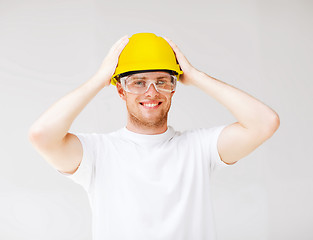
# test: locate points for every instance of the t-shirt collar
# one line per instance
(146, 138)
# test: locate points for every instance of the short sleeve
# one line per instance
(209, 138)
(216, 161)
(85, 173)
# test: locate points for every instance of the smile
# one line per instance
(150, 105)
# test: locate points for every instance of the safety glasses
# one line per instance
(140, 83)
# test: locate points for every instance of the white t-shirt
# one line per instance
(150, 187)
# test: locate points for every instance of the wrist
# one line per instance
(98, 81)
(195, 77)
(102, 79)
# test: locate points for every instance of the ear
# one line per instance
(121, 92)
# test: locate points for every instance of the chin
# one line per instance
(148, 118)
(156, 121)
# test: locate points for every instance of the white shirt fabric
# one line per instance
(150, 187)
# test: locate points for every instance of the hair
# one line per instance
(141, 71)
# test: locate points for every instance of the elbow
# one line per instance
(38, 137)
(271, 125)
(275, 122)
(34, 135)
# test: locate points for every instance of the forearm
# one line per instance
(250, 112)
(53, 125)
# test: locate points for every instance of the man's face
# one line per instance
(149, 109)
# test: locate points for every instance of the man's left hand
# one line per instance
(188, 77)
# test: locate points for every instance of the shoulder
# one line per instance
(97, 137)
(200, 132)
(197, 136)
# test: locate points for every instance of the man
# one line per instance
(146, 180)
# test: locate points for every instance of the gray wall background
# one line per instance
(48, 48)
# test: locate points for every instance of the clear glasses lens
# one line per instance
(138, 83)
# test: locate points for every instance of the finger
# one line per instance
(122, 44)
(121, 39)
(179, 55)
(183, 61)
(173, 45)
(118, 50)
(170, 42)
(166, 38)
(118, 43)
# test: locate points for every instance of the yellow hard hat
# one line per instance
(146, 51)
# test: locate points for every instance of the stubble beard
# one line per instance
(141, 121)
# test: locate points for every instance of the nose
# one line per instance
(152, 91)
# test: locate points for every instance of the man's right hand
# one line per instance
(49, 134)
(110, 62)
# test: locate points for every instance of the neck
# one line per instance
(148, 130)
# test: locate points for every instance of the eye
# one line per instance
(139, 83)
(161, 82)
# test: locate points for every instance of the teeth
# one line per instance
(150, 104)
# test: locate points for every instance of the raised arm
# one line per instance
(49, 134)
(256, 121)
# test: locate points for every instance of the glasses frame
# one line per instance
(124, 86)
